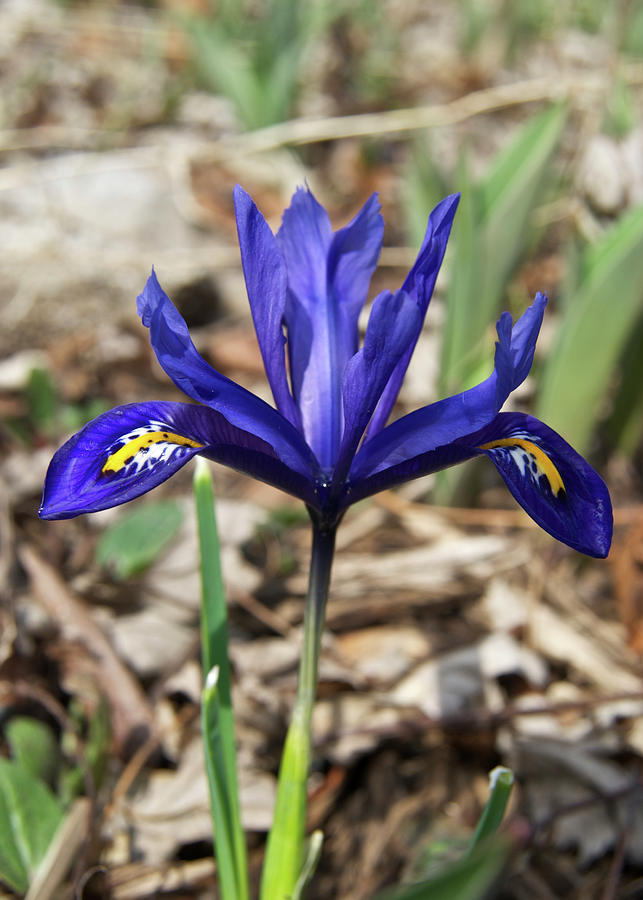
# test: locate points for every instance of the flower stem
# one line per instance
(285, 850)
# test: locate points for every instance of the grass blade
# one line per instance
(625, 424)
(219, 789)
(218, 715)
(490, 235)
(467, 879)
(501, 782)
(509, 194)
(313, 854)
(460, 345)
(596, 325)
(30, 814)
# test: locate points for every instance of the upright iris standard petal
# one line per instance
(352, 258)
(327, 282)
(392, 324)
(440, 423)
(188, 370)
(553, 483)
(419, 285)
(131, 449)
(266, 283)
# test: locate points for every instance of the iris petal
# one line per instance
(391, 326)
(352, 259)
(131, 449)
(440, 423)
(419, 284)
(266, 282)
(328, 279)
(189, 371)
(551, 481)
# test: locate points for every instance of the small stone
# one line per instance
(602, 176)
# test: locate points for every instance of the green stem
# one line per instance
(285, 849)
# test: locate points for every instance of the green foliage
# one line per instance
(34, 747)
(45, 413)
(30, 814)
(252, 53)
(95, 750)
(41, 400)
(491, 233)
(501, 782)
(519, 23)
(621, 114)
(232, 880)
(625, 425)
(470, 878)
(217, 714)
(312, 856)
(130, 545)
(633, 32)
(597, 322)
(423, 187)
(477, 16)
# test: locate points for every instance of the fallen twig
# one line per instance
(132, 716)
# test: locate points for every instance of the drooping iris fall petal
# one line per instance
(441, 423)
(188, 370)
(131, 449)
(551, 481)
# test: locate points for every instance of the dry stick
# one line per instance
(616, 868)
(397, 121)
(400, 121)
(130, 710)
(476, 720)
(68, 839)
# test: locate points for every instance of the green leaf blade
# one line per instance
(30, 814)
(33, 746)
(594, 330)
(510, 193)
(217, 710)
(470, 878)
(132, 543)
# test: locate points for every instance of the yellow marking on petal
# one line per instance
(541, 459)
(119, 459)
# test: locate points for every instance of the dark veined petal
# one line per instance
(441, 423)
(551, 481)
(188, 370)
(131, 449)
(392, 324)
(266, 281)
(548, 478)
(419, 284)
(328, 277)
(405, 470)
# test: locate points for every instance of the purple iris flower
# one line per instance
(327, 441)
